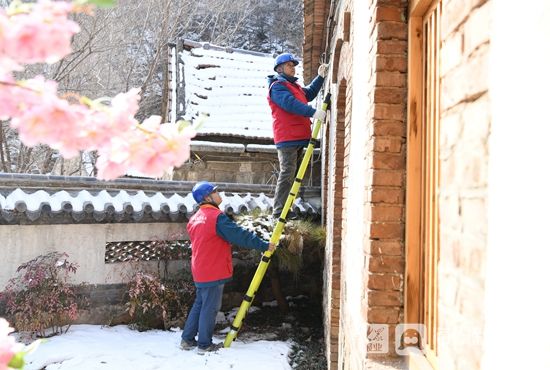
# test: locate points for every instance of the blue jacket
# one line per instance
(232, 233)
(281, 96)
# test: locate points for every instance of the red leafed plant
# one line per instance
(149, 300)
(40, 298)
(160, 299)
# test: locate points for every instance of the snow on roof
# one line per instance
(230, 86)
(198, 145)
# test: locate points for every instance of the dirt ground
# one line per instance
(304, 326)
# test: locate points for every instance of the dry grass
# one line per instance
(299, 237)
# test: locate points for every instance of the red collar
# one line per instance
(208, 205)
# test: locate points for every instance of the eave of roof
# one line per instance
(43, 199)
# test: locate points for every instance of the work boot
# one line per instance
(289, 216)
(188, 345)
(211, 348)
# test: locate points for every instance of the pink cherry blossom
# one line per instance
(167, 148)
(42, 35)
(96, 130)
(7, 64)
(124, 107)
(113, 160)
(41, 32)
(8, 347)
(18, 96)
(150, 149)
(54, 121)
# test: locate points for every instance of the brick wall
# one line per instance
(315, 17)
(338, 138)
(366, 171)
(373, 174)
(335, 190)
(464, 131)
(385, 169)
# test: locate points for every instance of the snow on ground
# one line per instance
(92, 347)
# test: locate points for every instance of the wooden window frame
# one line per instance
(422, 225)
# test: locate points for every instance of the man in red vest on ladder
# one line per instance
(291, 125)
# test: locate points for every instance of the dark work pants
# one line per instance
(202, 316)
(289, 158)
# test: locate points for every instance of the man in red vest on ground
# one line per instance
(211, 233)
(291, 121)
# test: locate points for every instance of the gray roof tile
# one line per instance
(42, 199)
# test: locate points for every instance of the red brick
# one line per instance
(389, 128)
(384, 298)
(386, 213)
(387, 47)
(382, 13)
(388, 177)
(391, 30)
(382, 315)
(389, 95)
(388, 161)
(384, 282)
(391, 63)
(389, 111)
(388, 248)
(390, 79)
(388, 144)
(396, 3)
(385, 195)
(393, 264)
(387, 230)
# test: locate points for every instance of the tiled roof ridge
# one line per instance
(44, 199)
(33, 181)
(227, 49)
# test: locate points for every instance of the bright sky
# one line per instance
(92, 347)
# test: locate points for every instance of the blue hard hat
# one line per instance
(283, 58)
(202, 189)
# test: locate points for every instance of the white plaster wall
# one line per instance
(518, 255)
(353, 259)
(85, 245)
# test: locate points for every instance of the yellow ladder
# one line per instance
(266, 257)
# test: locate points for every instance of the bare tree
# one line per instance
(124, 47)
(117, 49)
(260, 25)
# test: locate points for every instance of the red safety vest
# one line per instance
(289, 126)
(210, 254)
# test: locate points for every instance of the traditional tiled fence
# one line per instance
(105, 227)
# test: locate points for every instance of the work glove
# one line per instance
(320, 114)
(322, 71)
